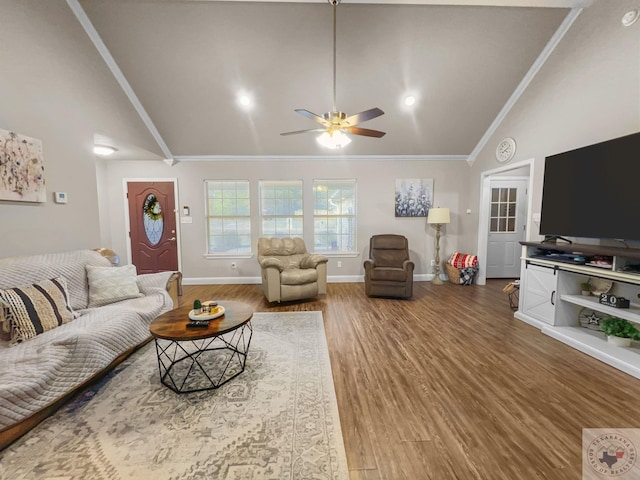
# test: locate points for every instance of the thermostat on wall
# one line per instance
(60, 197)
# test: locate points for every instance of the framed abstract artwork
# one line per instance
(21, 168)
(414, 197)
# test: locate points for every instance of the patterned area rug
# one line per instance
(278, 419)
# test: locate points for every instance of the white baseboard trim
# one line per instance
(345, 279)
(422, 277)
(221, 280)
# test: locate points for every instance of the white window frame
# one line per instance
(223, 234)
(352, 182)
(263, 184)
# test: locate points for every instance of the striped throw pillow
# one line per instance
(31, 310)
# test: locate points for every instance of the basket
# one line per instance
(453, 273)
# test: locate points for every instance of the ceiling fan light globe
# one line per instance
(333, 140)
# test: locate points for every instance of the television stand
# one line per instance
(551, 299)
(553, 239)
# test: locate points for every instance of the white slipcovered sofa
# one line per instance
(38, 374)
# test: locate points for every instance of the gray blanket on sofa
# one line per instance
(35, 373)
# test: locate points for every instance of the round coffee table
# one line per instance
(196, 359)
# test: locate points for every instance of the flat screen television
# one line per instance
(593, 191)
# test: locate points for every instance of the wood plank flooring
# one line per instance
(448, 385)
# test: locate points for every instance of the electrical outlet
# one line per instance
(339, 264)
(234, 266)
(433, 262)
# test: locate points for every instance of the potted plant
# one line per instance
(586, 288)
(619, 331)
(197, 307)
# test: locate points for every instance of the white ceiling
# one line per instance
(187, 60)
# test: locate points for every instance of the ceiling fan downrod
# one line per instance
(335, 7)
(336, 123)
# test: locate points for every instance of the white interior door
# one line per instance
(507, 214)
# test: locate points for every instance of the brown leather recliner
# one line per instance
(388, 272)
(289, 272)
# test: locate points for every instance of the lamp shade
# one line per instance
(439, 216)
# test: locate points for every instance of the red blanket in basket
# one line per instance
(462, 260)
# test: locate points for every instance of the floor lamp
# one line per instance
(438, 217)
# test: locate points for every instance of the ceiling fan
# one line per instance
(335, 123)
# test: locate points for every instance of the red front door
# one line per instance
(152, 226)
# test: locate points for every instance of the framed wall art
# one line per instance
(414, 197)
(21, 168)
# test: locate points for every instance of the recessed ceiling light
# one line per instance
(409, 100)
(245, 101)
(630, 17)
(104, 150)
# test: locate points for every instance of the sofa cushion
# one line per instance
(275, 247)
(298, 276)
(389, 274)
(111, 284)
(31, 310)
(35, 268)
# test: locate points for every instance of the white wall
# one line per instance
(376, 189)
(587, 92)
(55, 87)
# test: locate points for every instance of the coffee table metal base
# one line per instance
(187, 366)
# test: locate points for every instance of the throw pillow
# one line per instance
(31, 310)
(111, 284)
(462, 260)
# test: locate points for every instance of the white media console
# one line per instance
(550, 297)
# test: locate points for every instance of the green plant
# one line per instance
(586, 287)
(619, 327)
(197, 305)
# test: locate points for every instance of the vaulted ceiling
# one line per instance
(186, 62)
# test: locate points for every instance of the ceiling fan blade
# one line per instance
(312, 116)
(363, 116)
(364, 131)
(305, 131)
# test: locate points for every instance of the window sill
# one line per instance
(339, 254)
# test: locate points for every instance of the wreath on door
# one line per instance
(152, 208)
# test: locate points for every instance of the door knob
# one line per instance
(172, 239)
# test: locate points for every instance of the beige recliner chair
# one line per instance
(388, 272)
(289, 272)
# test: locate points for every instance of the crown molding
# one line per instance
(522, 86)
(272, 158)
(91, 31)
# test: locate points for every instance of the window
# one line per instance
(281, 208)
(334, 215)
(228, 217)
(503, 210)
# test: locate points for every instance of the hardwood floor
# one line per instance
(448, 385)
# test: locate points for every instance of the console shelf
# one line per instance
(632, 313)
(595, 344)
(550, 297)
